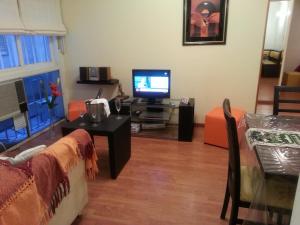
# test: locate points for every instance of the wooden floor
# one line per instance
(266, 89)
(266, 95)
(165, 183)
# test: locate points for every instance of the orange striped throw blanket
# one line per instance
(30, 192)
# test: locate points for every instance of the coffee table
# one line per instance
(119, 138)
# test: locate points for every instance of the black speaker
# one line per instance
(186, 121)
(21, 95)
(104, 73)
(83, 71)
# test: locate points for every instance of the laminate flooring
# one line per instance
(166, 182)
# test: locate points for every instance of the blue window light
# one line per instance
(38, 113)
(9, 136)
(36, 49)
(9, 57)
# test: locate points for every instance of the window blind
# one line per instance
(10, 21)
(42, 16)
(9, 104)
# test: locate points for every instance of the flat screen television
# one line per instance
(151, 84)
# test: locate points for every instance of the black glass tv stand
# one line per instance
(151, 101)
(158, 116)
(168, 119)
(152, 104)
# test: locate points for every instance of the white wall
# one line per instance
(277, 24)
(292, 59)
(148, 34)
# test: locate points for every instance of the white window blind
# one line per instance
(10, 21)
(42, 17)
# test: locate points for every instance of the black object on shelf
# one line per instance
(104, 82)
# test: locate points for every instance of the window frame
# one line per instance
(23, 70)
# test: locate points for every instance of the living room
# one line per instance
(164, 181)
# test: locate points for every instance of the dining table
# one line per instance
(275, 140)
(279, 155)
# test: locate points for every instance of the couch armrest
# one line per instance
(293, 73)
(73, 204)
(291, 78)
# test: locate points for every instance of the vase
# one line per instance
(52, 122)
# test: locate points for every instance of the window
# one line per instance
(38, 112)
(36, 49)
(3, 46)
(8, 52)
(33, 54)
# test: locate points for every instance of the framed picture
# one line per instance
(205, 22)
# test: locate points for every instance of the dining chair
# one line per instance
(233, 187)
(279, 198)
(286, 99)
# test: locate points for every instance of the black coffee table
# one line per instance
(119, 138)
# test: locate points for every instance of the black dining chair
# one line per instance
(233, 187)
(286, 99)
(279, 199)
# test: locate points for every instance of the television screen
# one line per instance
(151, 83)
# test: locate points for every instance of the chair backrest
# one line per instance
(234, 170)
(286, 99)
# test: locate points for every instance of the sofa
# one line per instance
(271, 63)
(73, 204)
(74, 160)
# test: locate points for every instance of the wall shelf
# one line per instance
(102, 82)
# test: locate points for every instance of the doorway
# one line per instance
(273, 52)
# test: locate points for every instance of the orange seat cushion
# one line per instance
(75, 108)
(215, 132)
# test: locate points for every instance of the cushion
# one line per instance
(266, 54)
(5, 158)
(268, 62)
(297, 69)
(247, 184)
(279, 192)
(24, 155)
(275, 55)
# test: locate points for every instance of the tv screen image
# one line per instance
(151, 83)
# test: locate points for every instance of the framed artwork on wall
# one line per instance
(205, 22)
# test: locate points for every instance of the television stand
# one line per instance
(157, 116)
(151, 101)
(171, 119)
(153, 104)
